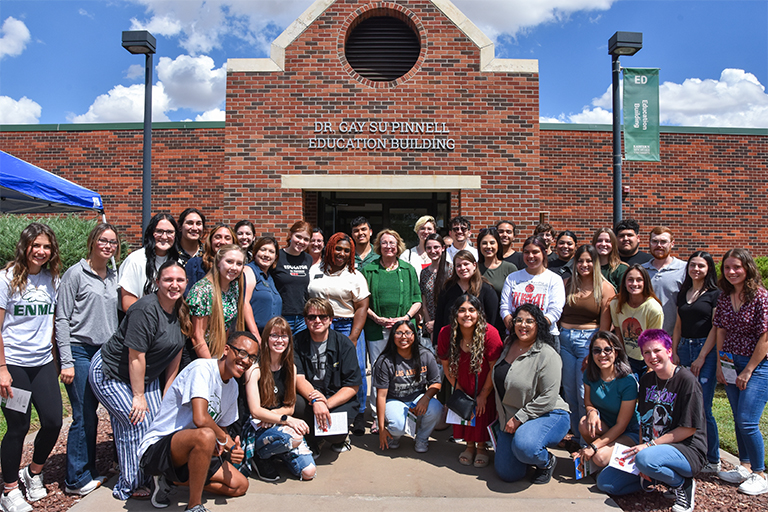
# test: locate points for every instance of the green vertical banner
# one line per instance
(641, 114)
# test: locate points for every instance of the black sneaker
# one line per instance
(266, 469)
(544, 475)
(684, 496)
(341, 447)
(160, 490)
(358, 426)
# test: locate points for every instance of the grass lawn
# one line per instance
(721, 410)
(34, 423)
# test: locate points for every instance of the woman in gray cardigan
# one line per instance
(532, 416)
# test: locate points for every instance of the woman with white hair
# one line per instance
(417, 255)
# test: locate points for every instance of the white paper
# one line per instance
(410, 424)
(618, 461)
(338, 425)
(454, 419)
(20, 400)
(729, 369)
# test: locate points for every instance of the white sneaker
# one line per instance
(14, 502)
(754, 485)
(421, 446)
(712, 467)
(734, 476)
(84, 490)
(33, 484)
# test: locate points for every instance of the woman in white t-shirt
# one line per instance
(417, 255)
(534, 285)
(28, 288)
(137, 274)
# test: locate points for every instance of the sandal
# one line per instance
(481, 459)
(142, 493)
(466, 457)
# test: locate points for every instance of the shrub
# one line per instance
(71, 233)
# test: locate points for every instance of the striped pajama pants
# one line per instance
(117, 397)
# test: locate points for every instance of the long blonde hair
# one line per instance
(217, 329)
(575, 282)
(477, 348)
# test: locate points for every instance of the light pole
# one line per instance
(138, 42)
(621, 43)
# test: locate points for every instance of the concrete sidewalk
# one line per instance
(366, 479)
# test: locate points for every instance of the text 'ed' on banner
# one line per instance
(641, 114)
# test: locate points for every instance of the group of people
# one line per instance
(221, 355)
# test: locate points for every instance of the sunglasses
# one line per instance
(605, 350)
(312, 318)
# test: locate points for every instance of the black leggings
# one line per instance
(42, 381)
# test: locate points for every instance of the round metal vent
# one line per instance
(382, 48)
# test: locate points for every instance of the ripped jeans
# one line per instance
(688, 350)
(277, 440)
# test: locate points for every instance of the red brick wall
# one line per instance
(493, 118)
(187, 168)
(709, 188)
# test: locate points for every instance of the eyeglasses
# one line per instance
(403, 334)
(104, 241)
(278, 337)
(312, 318)
(165, 232)
(242, 354)
(524, 321)
(604, 350)
(459, 228)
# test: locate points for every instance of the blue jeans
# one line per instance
(574, 347)
(638, 367)
(528, 445)
(81, 443)
(662, 462)
(688, 349)
(344, 326)
(747, 407)
(397, 412)
(296, 322)
(277, 441)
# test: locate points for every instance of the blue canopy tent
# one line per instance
(26, 188)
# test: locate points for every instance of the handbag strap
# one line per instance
(475, 397)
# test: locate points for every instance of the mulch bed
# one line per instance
(712, 495)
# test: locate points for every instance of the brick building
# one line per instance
(326, 129)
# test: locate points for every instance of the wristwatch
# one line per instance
(283, 418)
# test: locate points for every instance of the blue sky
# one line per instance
(61, 61)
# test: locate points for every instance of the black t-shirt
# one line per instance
(291, 275)
(677, 402)
(516, 258)
(696, 318)
(640, 257)
(148, 329)
(400, 378)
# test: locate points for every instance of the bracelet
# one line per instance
(220, 443)
(408, 315)
(651, 443)
(592, 445)
(312, 402)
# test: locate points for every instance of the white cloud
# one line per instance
(124, 105)
(514, 16)
(24, 111)
(737, 99)
(193, 82)
(83, 12)
(134, 71)
(202, 24)
(14, 37)
(211, 115)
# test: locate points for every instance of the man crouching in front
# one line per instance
(187, 443)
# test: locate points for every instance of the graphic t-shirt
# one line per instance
(677, 402)
(633, 321)
(545, 290)
(291, 276)
(201, 379)
(399, 376)
(28, 325)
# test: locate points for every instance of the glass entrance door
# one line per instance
(394, 210)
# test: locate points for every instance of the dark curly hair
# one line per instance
(543, 334)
